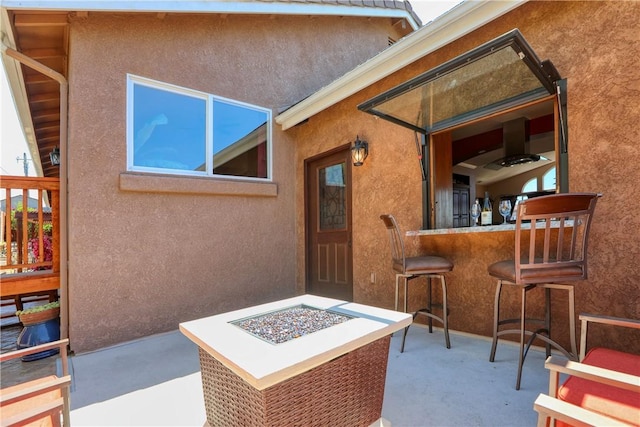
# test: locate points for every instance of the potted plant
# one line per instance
(39, 313)
(40, 325)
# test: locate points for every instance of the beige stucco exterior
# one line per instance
(146, 253)
(596, 47)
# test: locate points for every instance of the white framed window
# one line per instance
(176, 130)
(530, 186)
(548, 182)
(549, 179)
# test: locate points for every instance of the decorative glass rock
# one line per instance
(284, 325)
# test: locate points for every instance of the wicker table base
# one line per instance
(347, 391)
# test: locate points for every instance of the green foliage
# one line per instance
(47, 227)
(32, 227)
(39, 308)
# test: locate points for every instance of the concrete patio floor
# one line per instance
(155, 381)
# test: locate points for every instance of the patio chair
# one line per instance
(552, 259)
(602, 389)
(43, 401)
(409, 268)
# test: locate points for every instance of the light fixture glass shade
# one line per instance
(55, 156)
(359, 151)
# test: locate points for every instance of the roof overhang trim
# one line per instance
(229, 7)
(13, 72)
(459, 21)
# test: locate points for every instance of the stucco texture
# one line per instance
(596, 47)
(141, 262)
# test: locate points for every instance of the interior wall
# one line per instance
(141, 262)
(595, 46)
(511, 186)
(514, 185)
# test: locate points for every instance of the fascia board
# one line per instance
(229, 7)
(461, 20)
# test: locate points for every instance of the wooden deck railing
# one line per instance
(30, 248)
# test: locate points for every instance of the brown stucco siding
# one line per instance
(140, 263)
(596, 47)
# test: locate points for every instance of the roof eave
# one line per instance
(461, 20)
(227, 7)
(16, 85)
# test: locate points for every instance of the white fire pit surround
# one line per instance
(272, 347)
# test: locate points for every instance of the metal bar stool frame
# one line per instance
(409, 268)
(548, 265)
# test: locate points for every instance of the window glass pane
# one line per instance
(169, 129)
(472, 103)
(178, 130)
(531, 186)
(499, 74)
(239, 140)
(494, 79)
(549, 180)
(332, 197)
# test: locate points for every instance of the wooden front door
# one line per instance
(328, 225)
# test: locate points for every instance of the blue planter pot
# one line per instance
(39, 333)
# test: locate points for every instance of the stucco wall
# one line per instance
(596, 46)
(140, 263)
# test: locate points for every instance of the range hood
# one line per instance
(514, 136)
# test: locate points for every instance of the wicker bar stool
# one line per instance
(409, 268)
(544, 259)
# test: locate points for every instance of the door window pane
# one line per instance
(332, 197)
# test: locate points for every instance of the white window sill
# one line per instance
(153, 183)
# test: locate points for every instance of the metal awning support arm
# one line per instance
(562, 105)
(563, 149)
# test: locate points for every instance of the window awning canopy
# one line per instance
(501, 73)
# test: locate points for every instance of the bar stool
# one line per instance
(419, 266)
(544, 259)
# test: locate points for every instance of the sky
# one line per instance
(12, 142)
(428, 10)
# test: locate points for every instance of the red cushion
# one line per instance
(623, 405)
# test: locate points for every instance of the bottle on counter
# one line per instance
(486, 218)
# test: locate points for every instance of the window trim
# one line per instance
(139, 182)
(552, 86)
(209, 99)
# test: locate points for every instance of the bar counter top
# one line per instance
(464, 230)
(479, 229)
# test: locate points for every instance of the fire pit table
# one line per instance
(301, 361)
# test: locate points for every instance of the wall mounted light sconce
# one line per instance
(55, 157)
(359, 151)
